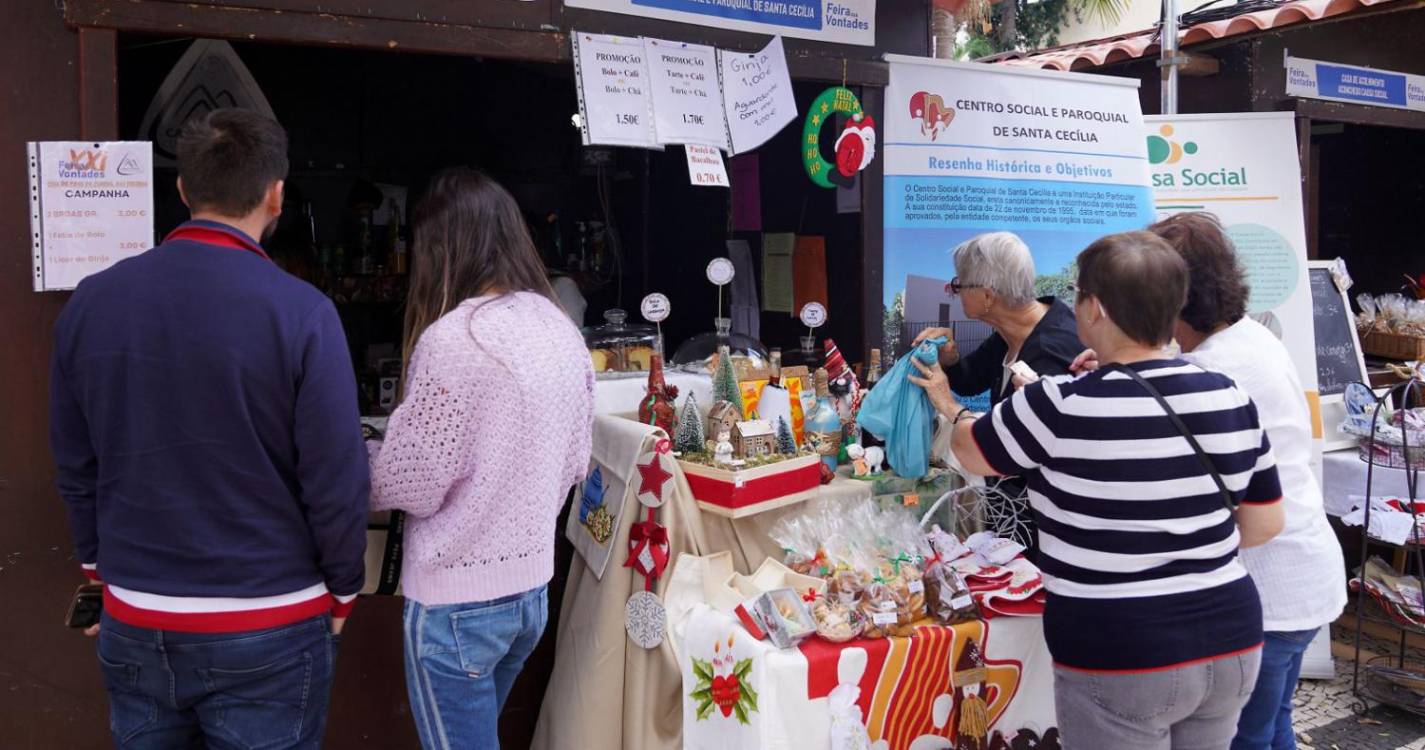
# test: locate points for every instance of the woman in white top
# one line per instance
(1300, 575)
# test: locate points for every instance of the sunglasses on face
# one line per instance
(955, 287)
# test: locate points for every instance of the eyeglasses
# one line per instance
(955, 287)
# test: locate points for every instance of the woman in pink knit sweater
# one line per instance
(492, 431)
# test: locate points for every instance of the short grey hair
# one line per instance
(1000, 262)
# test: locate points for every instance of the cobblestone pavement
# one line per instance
(1325, 716)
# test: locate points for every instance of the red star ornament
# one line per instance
(653, 477)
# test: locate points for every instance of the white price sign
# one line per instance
(705, 166)
(813, 315)
(91, 206)
(720, 271)
(687, 101)
(655, 308)
(614, 96)
(757, 95)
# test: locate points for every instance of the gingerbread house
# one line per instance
(754, 438)
(722, 417)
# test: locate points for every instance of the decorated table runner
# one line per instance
(606, 691)
(978, 685)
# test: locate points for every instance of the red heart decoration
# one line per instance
(725, 693)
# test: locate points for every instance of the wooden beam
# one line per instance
(323, 29)
(1199, 65)
(1360, 114)
(365, 32)
(98, 84)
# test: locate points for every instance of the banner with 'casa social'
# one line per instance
(1243, 167)
(840, 21)
(1057, 158)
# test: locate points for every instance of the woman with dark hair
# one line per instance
(492, 430)
(1145, 477)
(1300, 575)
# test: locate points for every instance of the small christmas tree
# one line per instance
(725, 382)
(689, 437)
(786, 444)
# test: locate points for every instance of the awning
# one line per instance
(1145, 43)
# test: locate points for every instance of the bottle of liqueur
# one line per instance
(823, 425)
(873, 376)
(775, 401)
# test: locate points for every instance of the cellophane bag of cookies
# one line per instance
(947, 596)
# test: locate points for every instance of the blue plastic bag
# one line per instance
(898, 412)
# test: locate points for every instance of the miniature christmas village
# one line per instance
(789, 420)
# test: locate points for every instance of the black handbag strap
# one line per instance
(1186, 433)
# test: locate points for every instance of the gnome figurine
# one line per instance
(841, 381)
(973, 727)
(657, 408)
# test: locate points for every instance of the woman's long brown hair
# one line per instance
(468, 239)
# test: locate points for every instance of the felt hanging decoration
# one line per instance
(648, 549)
(645, 619)
(855, 145)
(653, 475)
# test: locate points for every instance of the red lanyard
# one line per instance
(215, 236)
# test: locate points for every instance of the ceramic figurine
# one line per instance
(857, 454)
(875, 459)
(722, 453)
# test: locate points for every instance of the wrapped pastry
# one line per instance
(947, 595)
(837, 622)
(881, 605)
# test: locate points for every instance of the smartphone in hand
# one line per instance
(86, 607)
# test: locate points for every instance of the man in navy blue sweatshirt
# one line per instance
(205, 428)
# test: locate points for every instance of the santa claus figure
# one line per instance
(855, 148)
(973, 726)
(656, 408)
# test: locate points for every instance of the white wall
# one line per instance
(1138, 16)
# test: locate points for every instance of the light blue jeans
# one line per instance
(462, 660)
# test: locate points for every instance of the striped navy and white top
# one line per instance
(1138, 550)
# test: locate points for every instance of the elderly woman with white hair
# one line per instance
(994, 278)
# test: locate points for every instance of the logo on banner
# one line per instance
(931, 111)
(84, 164)
(129, 166)
(1163, 150)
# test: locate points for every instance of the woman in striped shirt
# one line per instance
(1153, 623)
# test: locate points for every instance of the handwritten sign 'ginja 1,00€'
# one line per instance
(614, 93)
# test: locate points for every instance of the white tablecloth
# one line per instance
(620, 397)
(1344, 475)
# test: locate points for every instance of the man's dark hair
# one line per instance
(1218, 290)
(228, 158)
(1141, 282)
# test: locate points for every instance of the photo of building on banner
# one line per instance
(1059, 159)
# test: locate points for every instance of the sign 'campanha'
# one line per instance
(91, 206)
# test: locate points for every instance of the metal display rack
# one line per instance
(1397, 681)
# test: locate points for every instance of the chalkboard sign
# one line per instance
(1338, 350)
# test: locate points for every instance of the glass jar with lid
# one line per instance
(699, 353)
(619, 348)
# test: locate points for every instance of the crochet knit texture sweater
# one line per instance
(493, 431)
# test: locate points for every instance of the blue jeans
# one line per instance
(1266, 720)
(253, 690)
(462, 660)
